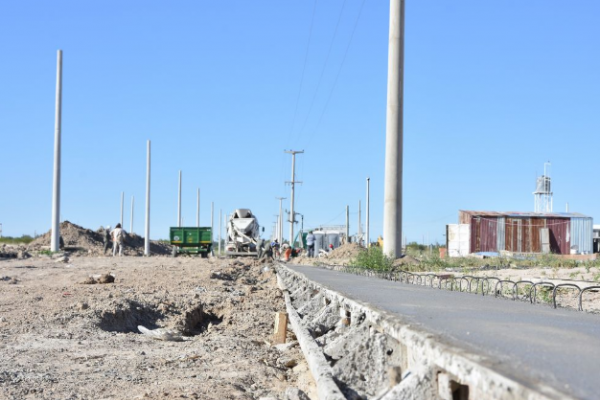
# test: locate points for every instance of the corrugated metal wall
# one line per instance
(582, 234)
(521, 232)
(560, 233)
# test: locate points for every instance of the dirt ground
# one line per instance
(62, 338)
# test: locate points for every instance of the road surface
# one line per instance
(560, 348)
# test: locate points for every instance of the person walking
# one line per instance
(310, 243)
(118, 236)
(106, 238)
(260, 248)
(275, 249)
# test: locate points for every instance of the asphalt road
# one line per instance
(536, 343)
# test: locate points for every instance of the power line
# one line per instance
(339, 70)
(304, 66)
(323, 69)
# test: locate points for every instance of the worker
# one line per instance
(260, 248)
(106, 238)
(118, 237)
(330, 247)
(275, 248)
(310, 243)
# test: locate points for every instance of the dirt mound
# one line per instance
(75, 237)
(345, 251)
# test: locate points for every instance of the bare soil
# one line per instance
(65, 334)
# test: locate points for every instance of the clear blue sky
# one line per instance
(493, 89)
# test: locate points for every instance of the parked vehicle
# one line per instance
(243, 233)
(191, 240)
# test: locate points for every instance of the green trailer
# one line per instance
(191, 240)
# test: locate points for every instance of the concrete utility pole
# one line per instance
(292, 183)
(147, 228)
(220, 226)
(359, 224)
(212, 220)
(122, 204)
(280, 227)
(198, 208)
(55, 236)
(347, 224)
(131, 219)
(179, 203)
(368, 238)
(392, 206)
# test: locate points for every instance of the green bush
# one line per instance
(25, 239)
(373, 258)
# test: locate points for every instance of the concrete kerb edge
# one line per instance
(319, 367)
(469, 368)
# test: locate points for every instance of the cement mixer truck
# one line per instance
(243, 233)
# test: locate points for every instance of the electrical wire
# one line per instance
(312, 103)
(339, 71)
(304, 66)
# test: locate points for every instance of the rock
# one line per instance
(89, 281)
(83, 306)
(106, 278)
(287, 362)
(293, 393)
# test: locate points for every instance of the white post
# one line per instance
(359, 224)
(55, 236)
(179, 203)
(280, 231)
(122, 203)
(220, 226)
(392, 207)
(347, 224)
(198, 208)
(212, 220)
(147, 227)
(368, 238)
(131, 219)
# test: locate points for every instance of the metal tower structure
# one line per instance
(543, 192)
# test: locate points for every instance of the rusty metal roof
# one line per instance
(519, 214)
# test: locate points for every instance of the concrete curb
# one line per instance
(320, 369)
(430, 368)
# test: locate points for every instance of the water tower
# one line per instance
(543, 192)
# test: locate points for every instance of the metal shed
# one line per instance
(526, 232)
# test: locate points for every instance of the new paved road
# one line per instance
(560, 348)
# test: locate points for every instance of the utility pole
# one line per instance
(212, 220)
(131, 219)
(347, 224)
(368, 239)
(122, 202)
(179, 203)
(55, 236)
(198, 209)
(280, 230)
(220, 226)
(292, 183)
(392, 207)
(147, 228)
(359, 224)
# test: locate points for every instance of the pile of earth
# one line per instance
(343, 255)
(346, 251)
(12, 251)
(75, 237)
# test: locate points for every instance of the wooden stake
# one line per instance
(281, 320)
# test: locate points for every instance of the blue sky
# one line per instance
(493, 89)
